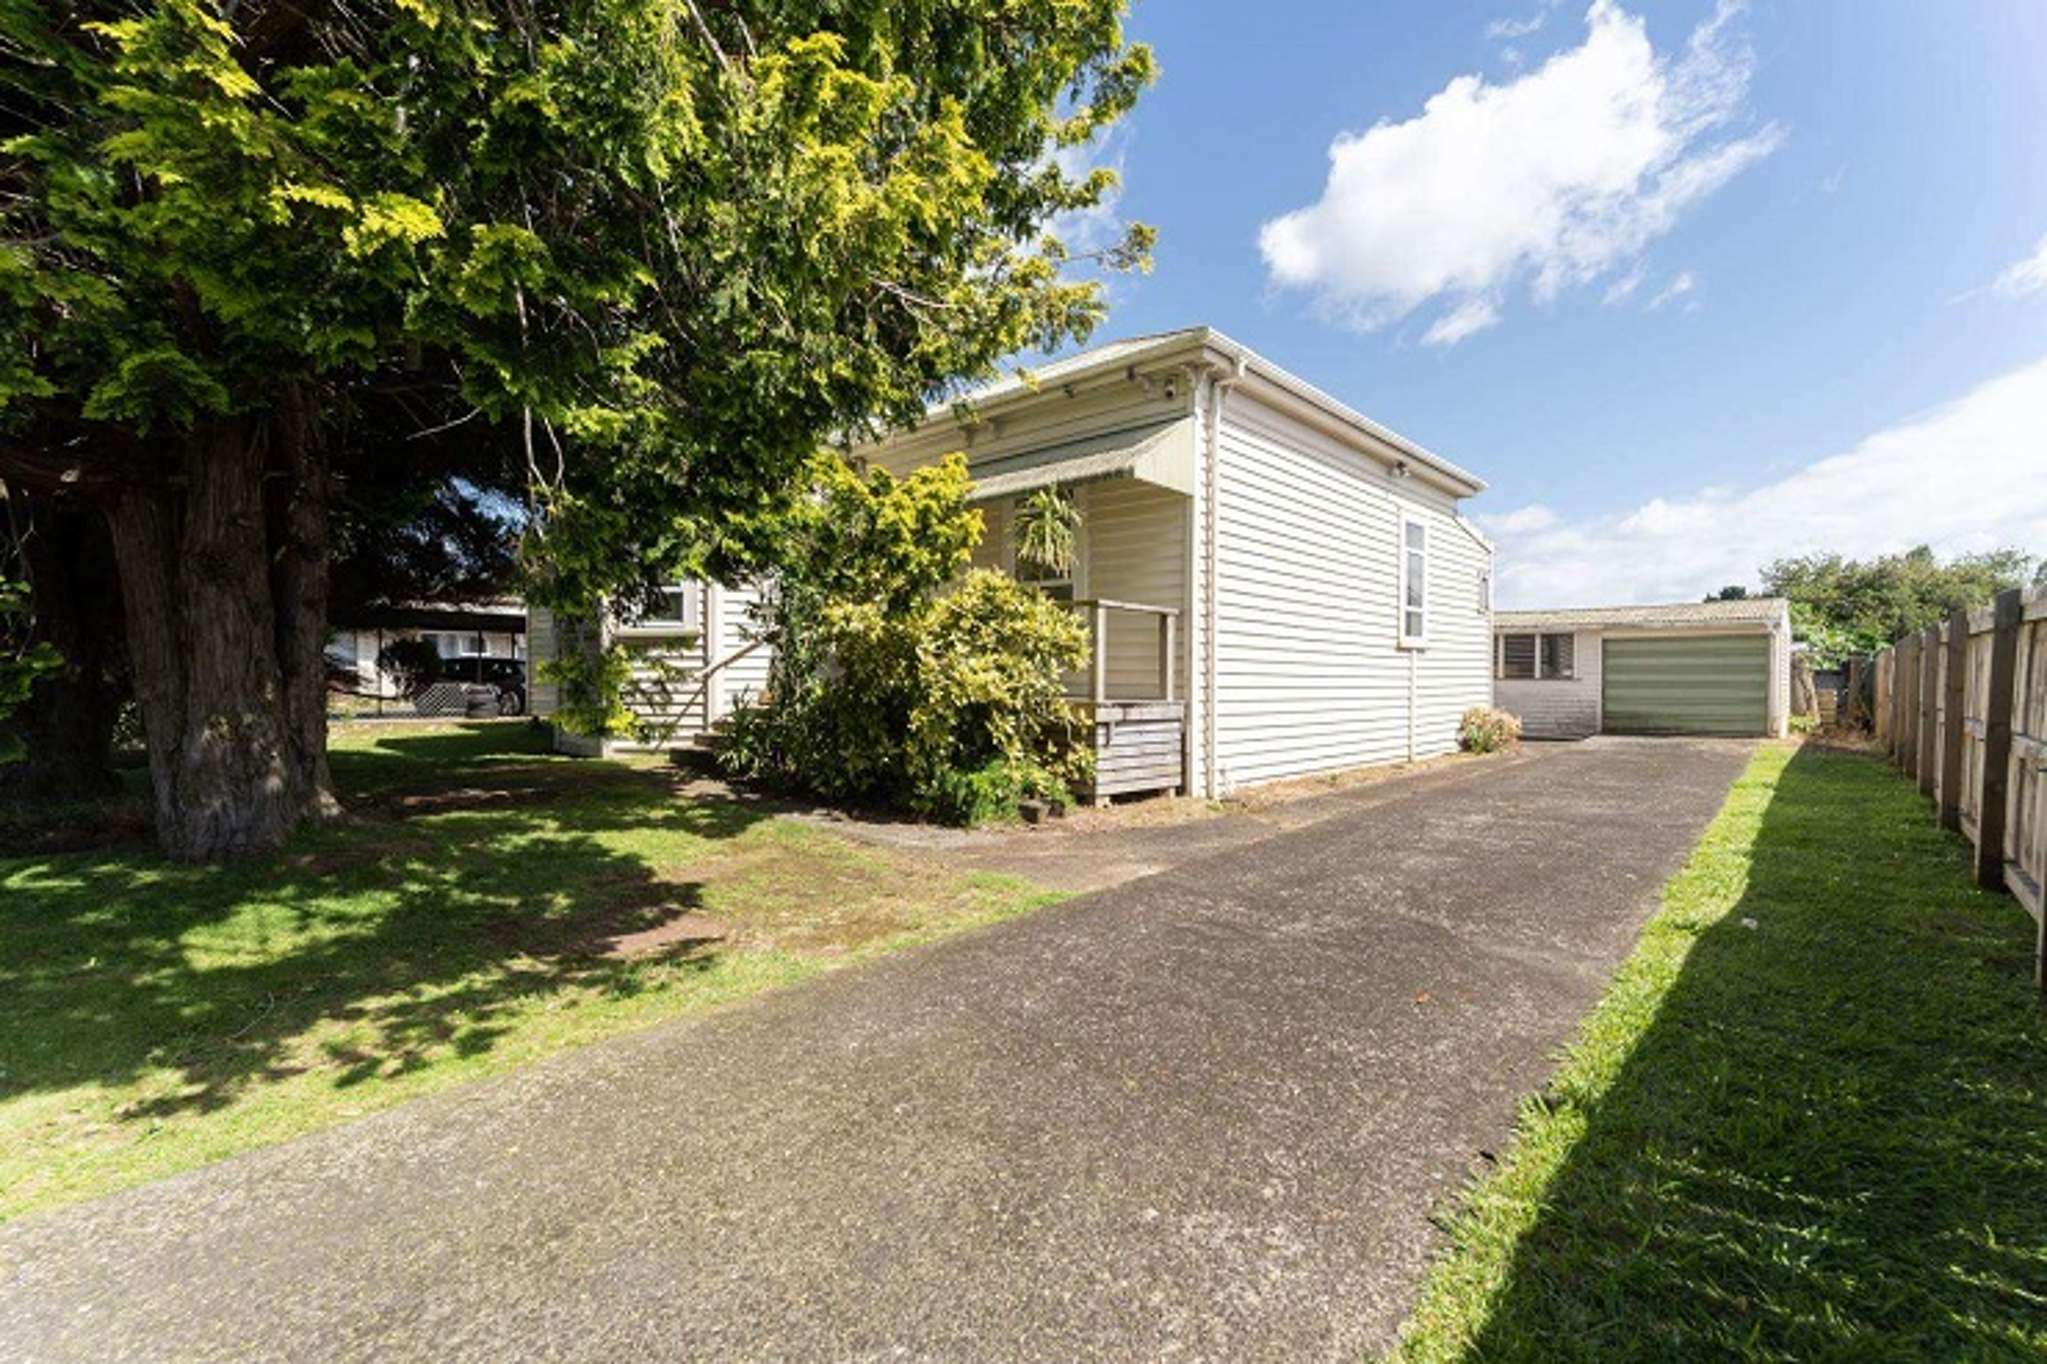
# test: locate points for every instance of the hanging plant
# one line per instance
(1047, 527)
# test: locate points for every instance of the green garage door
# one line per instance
(1687, 684)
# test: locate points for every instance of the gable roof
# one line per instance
(1189, 344)
(1674, 615)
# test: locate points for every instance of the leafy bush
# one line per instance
(1488, 729)
(897, 680)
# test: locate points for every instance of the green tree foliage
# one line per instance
(895, 678)
(651, 251)
(22, 660)
(1844, 606)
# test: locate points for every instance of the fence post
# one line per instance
(2004, 657)
(1929, 713)
(1897, 653)
(1887, 677)
(1898, 691)
(1908, 713)
(1953, 732)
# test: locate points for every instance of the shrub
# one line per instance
(896, 679)
(1488, 729)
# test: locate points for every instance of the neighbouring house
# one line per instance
(1276, 585)
(1718, 667)
(494, 629)
(695, 660)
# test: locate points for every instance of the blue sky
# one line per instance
(1691, 284)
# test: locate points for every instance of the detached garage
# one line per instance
(1721, 667)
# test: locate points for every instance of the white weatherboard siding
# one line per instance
(731, 627)
(673, 704)
(542, 641)
(1557, 707)
(1310, 676)
(1136, 551)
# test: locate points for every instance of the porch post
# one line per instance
(1166, 654)
(1101, 652)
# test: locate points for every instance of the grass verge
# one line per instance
(486, 904)
(1807, 1121)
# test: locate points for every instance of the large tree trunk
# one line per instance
(224, 588)
(67, 724)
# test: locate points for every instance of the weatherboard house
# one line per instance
(1276, 585)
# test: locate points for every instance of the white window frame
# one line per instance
(1419, 639)
(691, 621)
(1536, 674)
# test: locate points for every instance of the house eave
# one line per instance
(1196, 347)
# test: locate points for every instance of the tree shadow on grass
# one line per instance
(410, 932)
(1831, 1141)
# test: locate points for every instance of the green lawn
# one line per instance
(1808, 1121)
(486, 904)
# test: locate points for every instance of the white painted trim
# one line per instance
(1409, 518)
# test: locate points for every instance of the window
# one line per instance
(675, 608)
(1556, 656)
(1057, 588)
(1414, 582)
(1538, 657)
(1485, 593)
(1517, 657)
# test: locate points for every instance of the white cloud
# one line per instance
(1520, 521)
(1921, 482)
(1472, 315)
(1516, 28)
(1682, 283)
(1551, 179)
(2028, 276)
(1623, 289)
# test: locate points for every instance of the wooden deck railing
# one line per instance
(1097, 610)
(1962, 708)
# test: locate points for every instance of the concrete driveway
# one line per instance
(1203, 1115)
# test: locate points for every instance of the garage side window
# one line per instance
(1414, 582)
(1517, 657)
(1540, 657)
(1557, 656)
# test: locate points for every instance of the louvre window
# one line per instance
(1538, 656)
(1557, 657)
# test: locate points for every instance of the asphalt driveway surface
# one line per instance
(1204, 1115)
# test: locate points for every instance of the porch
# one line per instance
(1137, 723)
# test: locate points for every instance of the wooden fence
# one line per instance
(1961, 707)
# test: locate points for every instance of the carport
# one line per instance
(1702, 668)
